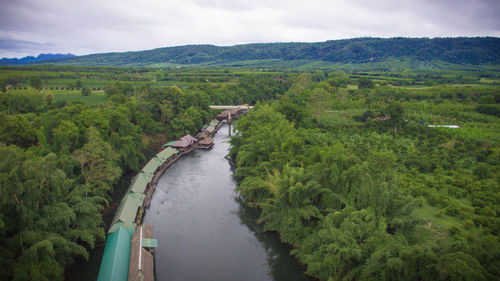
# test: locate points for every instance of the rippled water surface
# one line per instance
(204, 233)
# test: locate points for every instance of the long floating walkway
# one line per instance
(129, 251)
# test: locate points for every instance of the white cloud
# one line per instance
(91, 26)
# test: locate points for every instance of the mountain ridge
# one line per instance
(33, 59)
(456, 50)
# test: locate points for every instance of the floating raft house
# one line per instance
(140, 182)
(207, 141)
(166, 153)
(127, 211)
(126, 256)
(184, 142)
(115, 262)
(214, 123)
(169, 144)
(207, 132)
(152, 165)
(116, 257)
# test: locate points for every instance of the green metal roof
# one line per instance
(127, 210)
(116, 225)
(214, 123)
(169, 144)
(116, 257)
(149, 243)
(137, 197)
(166, 153)
(152, 165)
(140, 182)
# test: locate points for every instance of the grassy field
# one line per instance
(94, 98)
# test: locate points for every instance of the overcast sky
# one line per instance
(31, 27)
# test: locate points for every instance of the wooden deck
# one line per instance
(141, 267)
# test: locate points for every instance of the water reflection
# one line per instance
(283, 267)
(204, 233)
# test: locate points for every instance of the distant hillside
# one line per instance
(31, 59)
(470, 51)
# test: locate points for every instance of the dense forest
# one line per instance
(480, 50)
(63, 150)
(342, 165)
(363, 189)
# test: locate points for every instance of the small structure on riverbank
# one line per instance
(214, 123)
(206, 142)
(205, 133)
(184, 142)
(140, 182)
(166, 153)
(168, 144)
(115, 260)
(126, 255)
(127, 211)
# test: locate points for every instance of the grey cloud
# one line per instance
(91, 26)
(23, 46)
(12, 44)
(236, 5)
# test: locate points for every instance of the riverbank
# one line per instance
(205, 233)
(127, 223)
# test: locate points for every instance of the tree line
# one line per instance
(60, 161)
(366, 198)
(460, 50)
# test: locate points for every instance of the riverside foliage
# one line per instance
(62, 152)
(361, 197)
(357, 197)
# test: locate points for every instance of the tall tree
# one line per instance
(97, 164)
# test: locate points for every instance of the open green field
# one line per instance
(93, 99)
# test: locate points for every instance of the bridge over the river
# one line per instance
(244, 106)
(230, 112)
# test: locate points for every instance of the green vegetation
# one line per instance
(364, 191)
(64, 147)
(359, 195)
(368, 54)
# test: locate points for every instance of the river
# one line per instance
(205, 233)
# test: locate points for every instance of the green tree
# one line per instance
(85, 91)
(365, 83)
(97, 164)
(49, 98)
(66, 136)
(17, 130)
(36, 82)
(460, 266)
(397, 111)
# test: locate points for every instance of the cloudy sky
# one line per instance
(30, 27)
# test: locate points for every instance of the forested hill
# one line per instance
(478, 50)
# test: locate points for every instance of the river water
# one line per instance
(204, 233)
